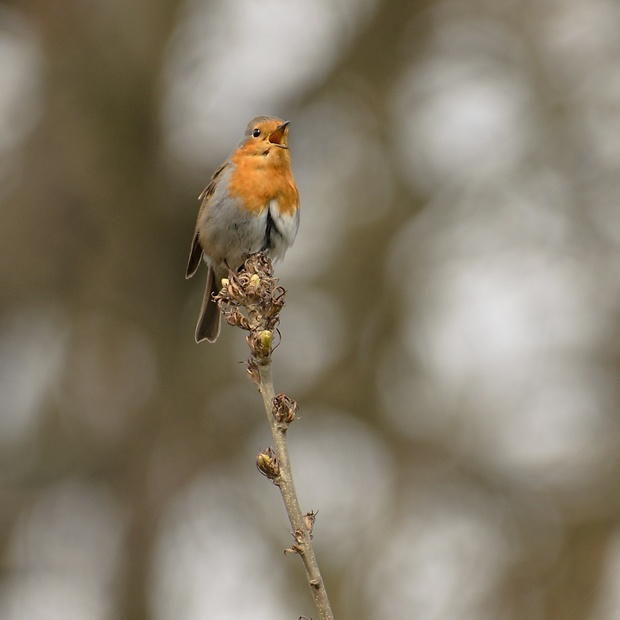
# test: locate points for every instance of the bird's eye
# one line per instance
(256, 133)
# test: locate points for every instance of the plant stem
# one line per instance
(303, 542)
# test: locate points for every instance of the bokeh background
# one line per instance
(452, 332)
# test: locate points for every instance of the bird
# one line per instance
(250, 205)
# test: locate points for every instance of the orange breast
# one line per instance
(256, 182)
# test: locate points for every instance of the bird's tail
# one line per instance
(208, 327)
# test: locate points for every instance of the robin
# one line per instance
(250, 205)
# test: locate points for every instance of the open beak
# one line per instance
(276, 137)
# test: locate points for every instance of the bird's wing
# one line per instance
(195, 253)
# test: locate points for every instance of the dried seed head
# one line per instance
(284, 408)
(260, 264)
(260, 344)
(253, 372)
(309, 519)
(234, 317)
(268, 464)
(252, 299)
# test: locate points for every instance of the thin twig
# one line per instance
(284, 481)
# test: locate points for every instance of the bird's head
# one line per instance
(266, 136)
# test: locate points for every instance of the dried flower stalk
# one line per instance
(252, 299)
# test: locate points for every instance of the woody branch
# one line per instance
(251, 299)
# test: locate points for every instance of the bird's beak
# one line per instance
(277, 136)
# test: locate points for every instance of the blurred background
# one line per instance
(452, 332)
